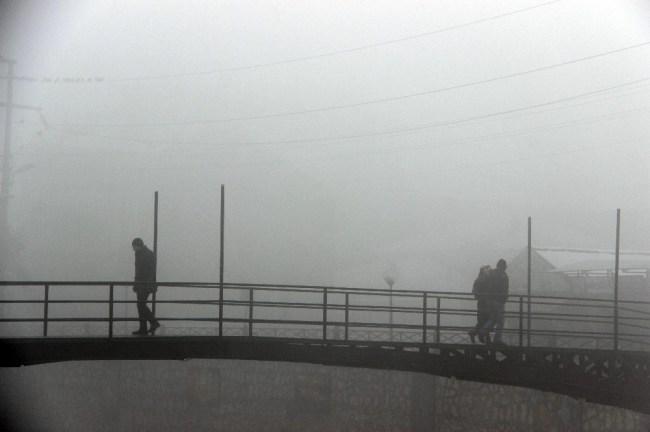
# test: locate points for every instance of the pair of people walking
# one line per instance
(491, 292)
(144, 285)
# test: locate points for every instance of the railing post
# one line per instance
(110, 312)
(424, 317)
(521, 322)
(45, 308)
(250, 312)
(324, 313)
(220, 310)
(437, 319)
(347, 314)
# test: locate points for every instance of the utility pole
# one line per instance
(6, 153)
(7, 168)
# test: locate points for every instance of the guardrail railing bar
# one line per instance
(409, 308)
(384, 292)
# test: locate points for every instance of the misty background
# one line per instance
(351, 137)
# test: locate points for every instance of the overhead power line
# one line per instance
(507, 161)
(206, 164)
(328, 140)
(514, 110)
(350, 156)
(402, 149)
(471, 140)
(87, 80)
(395, 132)
(358, 104)
(467, 119)
(333, 53)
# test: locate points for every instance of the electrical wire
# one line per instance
(367, 135)
(497, 163)
(333, 53)
(356, 104)
(513, 133)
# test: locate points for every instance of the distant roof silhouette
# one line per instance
(568, 260)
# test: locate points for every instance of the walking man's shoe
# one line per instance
(154, 327)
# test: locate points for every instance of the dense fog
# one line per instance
(351, 137)
(354, 140)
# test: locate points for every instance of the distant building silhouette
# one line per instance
(585, 274)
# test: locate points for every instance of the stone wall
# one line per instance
(220, 395)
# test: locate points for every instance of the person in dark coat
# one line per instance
(498, 285)
(479, 291)
(145, 271)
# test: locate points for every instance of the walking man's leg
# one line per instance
(144, 313)
(498, 328)
(484, 333)
(480, 321)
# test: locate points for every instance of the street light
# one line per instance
(390, 276)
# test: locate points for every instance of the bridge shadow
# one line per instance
(593, 375)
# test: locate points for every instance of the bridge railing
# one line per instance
(46, 309)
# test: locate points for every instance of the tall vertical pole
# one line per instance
(221, 262)
(528, 282)
(6, 178)
(618, 238)
(155, 250)
(6, 155)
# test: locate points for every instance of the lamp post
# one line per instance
(390, 277)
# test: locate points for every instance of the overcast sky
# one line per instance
(351, 136)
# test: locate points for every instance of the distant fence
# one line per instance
(107, 309)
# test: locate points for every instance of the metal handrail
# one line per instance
(411, 307)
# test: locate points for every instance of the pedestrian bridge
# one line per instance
(593, 349)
